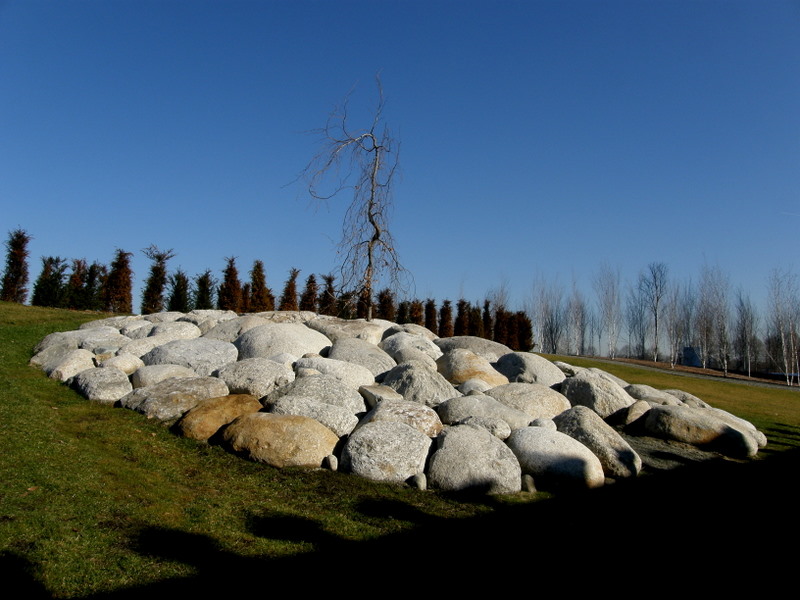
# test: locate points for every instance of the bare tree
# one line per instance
(745, 332)
(365, 162)
(637, 323)
(653, 286)
(577, 320)
(674, 322)
(784, 320)
(609, 301)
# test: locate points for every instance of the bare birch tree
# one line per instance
(784, 320)
(363, 161)
(653, 286)
(609, 303)
(745, 332)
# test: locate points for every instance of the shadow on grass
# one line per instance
(720, 520)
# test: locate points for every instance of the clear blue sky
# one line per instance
(539, 139)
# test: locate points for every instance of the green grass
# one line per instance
(98, 500)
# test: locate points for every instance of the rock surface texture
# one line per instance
(387, 402)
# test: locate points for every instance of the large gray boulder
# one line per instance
(336, 329)
(339, 420)
(488, 349)
(363, 353)
(554, 459)
(70, 364)
(322, 388)
(105, 385)
(471, 458)
(86, 339)
(274, 339)
(255, 376)
(127, 363)
(168, 400)
(619, 460)
(280, 440)
(526, 367)
(700, 427)
(402, 341)
(153, 374)
(350, 374)
(640, 391)
(460, 365)
(457, 409)
(419, 384)
(534, 399)
(415, 414)
(385, 451)
(176, 330)
(202, 355)
(601, 394)
(230, 329)
(688, 399)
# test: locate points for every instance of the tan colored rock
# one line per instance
(205, 419)
(280, 440)
(459, 365)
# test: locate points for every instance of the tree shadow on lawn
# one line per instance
(719, 520)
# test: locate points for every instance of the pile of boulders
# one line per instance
(384, 401)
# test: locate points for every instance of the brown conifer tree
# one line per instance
(204, 286)
(74, 292)
(488, 322)
(328, 301)
(179, 292)
(475, 322)
(117, 287)
(386, 309)
(261, 297)
(244, 306)
(416, 312)
(153, 294)
(289, 295)
(49, 288)
(309, 299)
(229, 296)
(430, 316)
(15, 276)
(524, 329)
(461, 326)
(404, 312)
(446, 319)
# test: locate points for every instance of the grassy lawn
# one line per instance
(97, 501)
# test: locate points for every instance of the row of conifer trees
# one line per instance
(77, 285)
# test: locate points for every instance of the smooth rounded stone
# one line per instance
(176, 330)
(280, 440)
(567, 369)
(411, 328)
(336, 329)
(402, 340)
(105, 385)
(49, 358)
(170, 399)
(201, 314)
(746, 426)
(256, 376)
(418, 481)
(375, 393)
(339, 420)
(230, 329)
(202, 355)
(363, 353)
(113, 322)
(153, 374)
(619, 460)
(476, 386)
(417, 415)
(688, 399)
(86, 339)
(322, 388)
(606, 375)
(526, 367)
(331, 462)
(545, 422)
(212, 414)
(555, 459)
(459, 365)
(137, 330)
(127, 363)
(350, 374)
(419, 384)
(71, 364)
(163, 317)
(534, 399)
(632, 414)
(699, 427)
(273, 339)
(640, 391)
(459, 408)
(599, 393)
(471, 458)
(488, 349)
(497, 427)
(385, 451)
(286, 316)
(528, 484)
(407, 355)
(142, 346)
